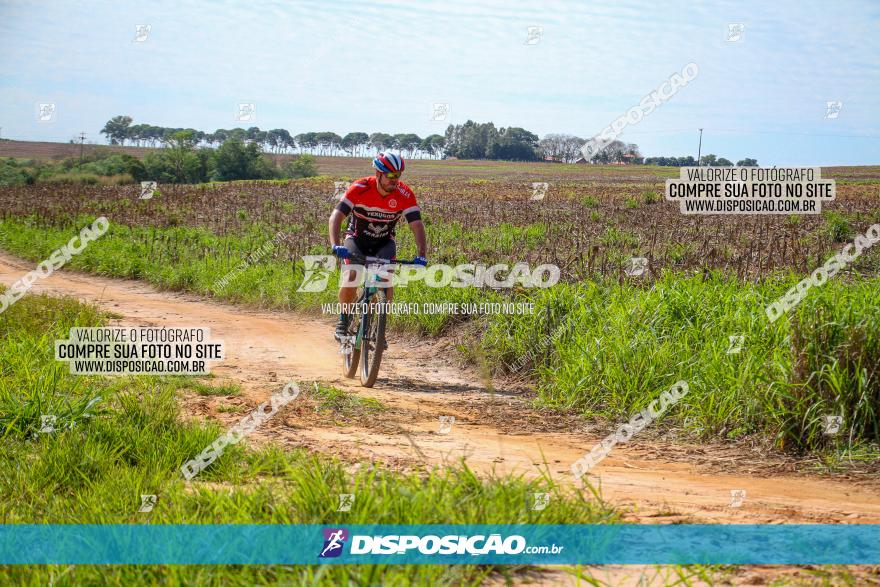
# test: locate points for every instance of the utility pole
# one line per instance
(82, 138)
(700, 148)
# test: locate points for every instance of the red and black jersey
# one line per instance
(374, 216)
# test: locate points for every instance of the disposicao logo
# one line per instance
(334, 541)
(478, 545)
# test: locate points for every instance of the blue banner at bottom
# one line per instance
(440, 544)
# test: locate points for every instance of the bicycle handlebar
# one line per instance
(379, 260)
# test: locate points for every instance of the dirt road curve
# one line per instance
(655, 481)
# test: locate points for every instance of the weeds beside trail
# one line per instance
(117, 439)
(627, 344)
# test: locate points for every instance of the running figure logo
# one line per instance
(334, 541)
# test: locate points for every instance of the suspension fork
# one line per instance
(365, 304)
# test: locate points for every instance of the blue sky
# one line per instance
(380, 66)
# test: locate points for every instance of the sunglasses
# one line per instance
(393, 175)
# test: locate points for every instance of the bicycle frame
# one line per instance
(370, 290)
(365, 346)
(364, 301)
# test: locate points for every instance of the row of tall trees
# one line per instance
(119, 131)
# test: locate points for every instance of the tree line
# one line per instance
(705, 161)
(119, 130)
(471, 140)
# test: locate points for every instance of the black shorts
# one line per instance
(386, 250)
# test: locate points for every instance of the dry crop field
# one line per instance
(590, 223)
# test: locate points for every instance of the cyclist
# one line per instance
(375, 204)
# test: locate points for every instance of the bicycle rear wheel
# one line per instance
(373, 343)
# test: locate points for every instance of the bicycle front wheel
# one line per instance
(352, 356)
(373, 343)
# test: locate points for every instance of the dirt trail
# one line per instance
(419, 383)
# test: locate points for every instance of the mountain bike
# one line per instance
(365, 341)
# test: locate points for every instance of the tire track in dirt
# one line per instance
(419, 383)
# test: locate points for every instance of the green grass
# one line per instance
(133, 441)
(631, 341)
(614, 236)
(202, 388)
(650, 197)
(838, 227)
(629, 344)
(676, 252)
(503, 239)
(231, 409)
(343, 402)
